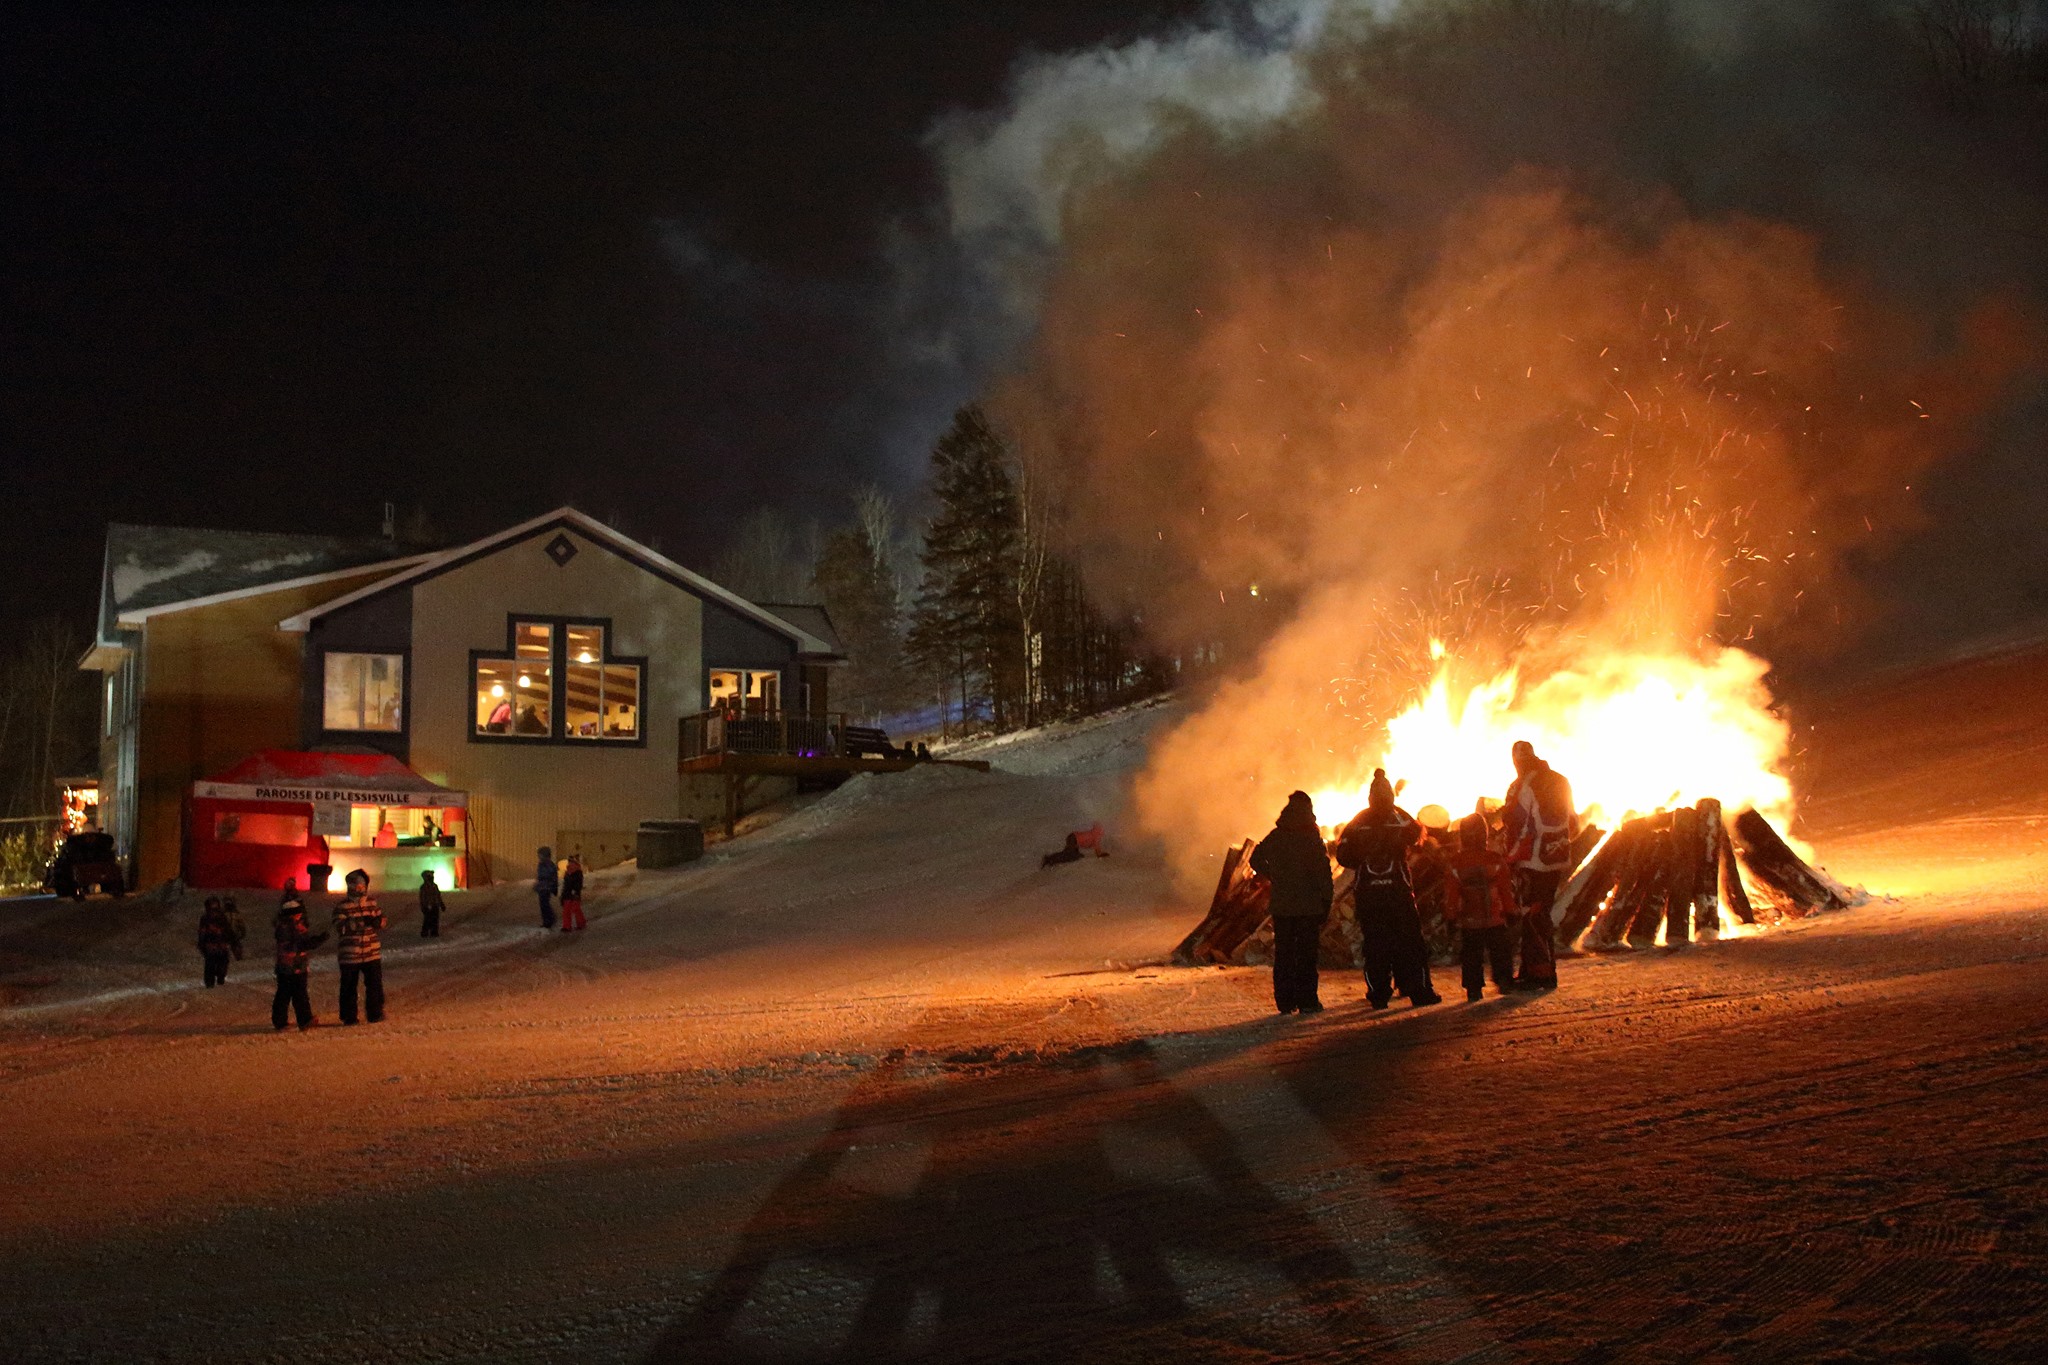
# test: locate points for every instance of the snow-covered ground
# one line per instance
(870, 1084)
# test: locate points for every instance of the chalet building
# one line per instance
(535, 681)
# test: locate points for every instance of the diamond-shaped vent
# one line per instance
(561, 549)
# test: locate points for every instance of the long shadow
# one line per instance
(965, 1218)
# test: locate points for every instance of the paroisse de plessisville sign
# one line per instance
(353, 796)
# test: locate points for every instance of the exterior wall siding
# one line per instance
(216, 684)
(525, 795)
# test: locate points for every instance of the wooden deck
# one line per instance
(820, 765)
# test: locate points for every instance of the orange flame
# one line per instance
(1633, 732)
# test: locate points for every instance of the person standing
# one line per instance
(1297, 864)
(431, 906)
(237, 930)
(572, 895)
(216, 942)
(1481, 899)
(545, 882)
(1540, 822)
(1375, 845)
(295, 944)
(359, 939)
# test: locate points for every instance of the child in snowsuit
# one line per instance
(1376, 845)
(1294, 860)
(1482, 900)
(431, 906)
(358, 931)
(295, 944)
(572, 895)
(216, 942)
(545, 882)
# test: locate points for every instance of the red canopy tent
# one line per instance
(270, 817)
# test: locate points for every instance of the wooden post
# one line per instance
(1732, 889)
(1581, 897)
(1685, 871)
(1629, 878)
(1779, 868)
(1706, 905)
(1649, 904)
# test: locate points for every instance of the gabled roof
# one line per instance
(568, 518)
(150, 567)
(812, 618)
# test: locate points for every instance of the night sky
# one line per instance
(269, 268)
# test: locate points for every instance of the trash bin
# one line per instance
(666, 843)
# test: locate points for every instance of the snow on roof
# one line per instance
(149, 567)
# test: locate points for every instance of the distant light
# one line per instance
(584, 657)
(525, 681)
(497, 689)
(1255, 590)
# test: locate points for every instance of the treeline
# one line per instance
(972, 621)
(48, 715)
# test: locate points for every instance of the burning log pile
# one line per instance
(1662, 878)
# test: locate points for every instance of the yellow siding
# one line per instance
(218, 683)
(524, 796)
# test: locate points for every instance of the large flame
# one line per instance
(1633, 732)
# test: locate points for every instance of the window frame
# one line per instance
(374, 738)
(558, 683)
(404, 658)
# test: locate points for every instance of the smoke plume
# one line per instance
(1548, 329)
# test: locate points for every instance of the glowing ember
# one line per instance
(1633, 732)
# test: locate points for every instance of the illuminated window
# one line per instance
(561, 682)
(746, 690)
(516, 695)
(364, 692)
(602, 699)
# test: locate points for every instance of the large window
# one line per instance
(558, 682)
(602, 699)
(364, 692)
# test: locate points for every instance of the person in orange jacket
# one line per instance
(1480, 900)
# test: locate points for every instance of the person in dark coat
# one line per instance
(1375, 845)
(237, 930)
(216, 942)
(359, 938)
(572, 896)
(295, 944)
(431, 906)
(546, 881)
(1540, 823)
(1297, 864)
(1481, 898)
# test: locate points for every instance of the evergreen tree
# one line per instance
(854, 581)
(965, 626)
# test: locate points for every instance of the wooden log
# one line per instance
(1779, 868)
(1235, 860)
(1629, 877)
(1732, 889)
(1245, 913)
(1648, 906)
(1706, 904)
(1681, 880)
(1580, 899)
(1587, 839)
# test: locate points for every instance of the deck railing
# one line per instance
(733, 731)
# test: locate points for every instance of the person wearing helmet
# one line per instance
(1375, 845)
(359, 936)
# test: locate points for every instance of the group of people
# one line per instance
(1497, 884)
(358, 929)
